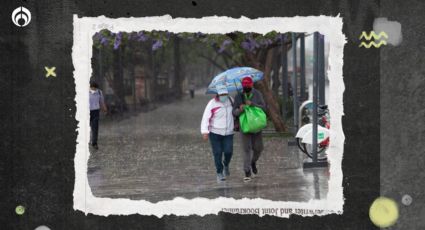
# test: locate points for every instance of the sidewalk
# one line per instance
(160, 154)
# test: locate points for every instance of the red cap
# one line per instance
(247, 82)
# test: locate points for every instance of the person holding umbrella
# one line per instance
(217, 126)
(252, 143)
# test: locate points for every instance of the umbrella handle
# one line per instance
(236, 86)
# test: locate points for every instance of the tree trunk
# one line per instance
(263, 86)
(131, 67)
(147, 62)
(118, 81)
(177, 77)
(275, 77)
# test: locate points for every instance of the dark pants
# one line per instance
(192, 93)
(252, 145)
(221, 145)
(94, 125)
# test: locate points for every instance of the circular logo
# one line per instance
(20, 210)
(21, 16)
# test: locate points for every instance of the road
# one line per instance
(159, 155)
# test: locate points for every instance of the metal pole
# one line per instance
(302, 66)
(321, 41)
(315, 86)
(294, 80)
(284, 76)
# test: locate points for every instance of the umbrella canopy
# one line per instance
(232, 78)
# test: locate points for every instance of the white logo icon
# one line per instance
(21, 16)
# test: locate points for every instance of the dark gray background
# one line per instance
(403, 113)
(38, 126)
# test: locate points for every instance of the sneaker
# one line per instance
(247, 177)
(220, 177)
(226, 171)
(254, 168)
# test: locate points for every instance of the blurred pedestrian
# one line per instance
(96, 102)
(192, 90)
(252, 143)
(217, 126)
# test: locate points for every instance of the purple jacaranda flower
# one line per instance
(279, 37)
(130, 36)
(254, 43)
(269, 41)
(250, 44)
(141, 37)
(104, 41)
(156, 45)
(224, 45)
(117, 41)
(117, 44)
(227, 42)
(245, 45)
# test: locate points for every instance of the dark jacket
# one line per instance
(257, 100)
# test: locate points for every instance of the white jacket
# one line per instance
(218, 117)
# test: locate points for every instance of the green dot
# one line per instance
(20, 210)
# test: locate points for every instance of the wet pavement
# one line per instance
(160, 154)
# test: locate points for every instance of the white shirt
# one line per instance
(95, 99)
(218, 118)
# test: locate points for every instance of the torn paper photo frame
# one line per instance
(86, 27)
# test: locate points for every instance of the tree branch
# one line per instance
(212, 61)
(226, 62)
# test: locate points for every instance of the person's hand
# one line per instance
(248, 102)
(205, 136)
(241, 107)
(104, 108)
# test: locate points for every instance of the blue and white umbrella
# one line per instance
(232, 78)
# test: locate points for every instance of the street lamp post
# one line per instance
(303, 95)
(294, 80)
(321, 58)
(284, 76)
(316, 82)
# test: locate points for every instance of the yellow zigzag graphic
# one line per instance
(372, 43)
(372, 34)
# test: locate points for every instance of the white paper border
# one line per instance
(86, 27)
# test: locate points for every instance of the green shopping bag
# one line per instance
(252, 120)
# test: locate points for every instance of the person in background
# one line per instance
(96, 102)
(252, 143)
(192, 90)
(217, 126)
